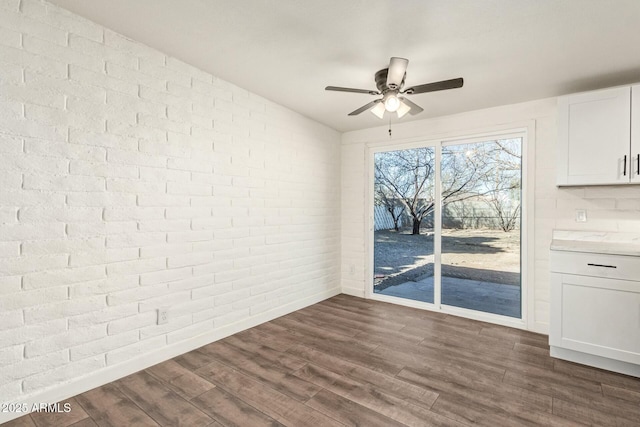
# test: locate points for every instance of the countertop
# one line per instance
(601, 242)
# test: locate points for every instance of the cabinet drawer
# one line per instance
(596, 265)
(596, 316)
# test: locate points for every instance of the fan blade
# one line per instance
(348, 89)
(415, 108)
(432, 87)
(364, 107)
(395, 75)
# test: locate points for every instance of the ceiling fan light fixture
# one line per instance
(390, 84)
(391, 103)
(379, 110)
(403, 109)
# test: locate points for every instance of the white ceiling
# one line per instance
(508, 51)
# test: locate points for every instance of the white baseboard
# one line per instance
(113, 373)
(540, 328)
(356, 292)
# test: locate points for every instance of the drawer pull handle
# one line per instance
(601, 265)
(625, 165)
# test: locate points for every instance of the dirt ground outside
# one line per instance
(476, 254)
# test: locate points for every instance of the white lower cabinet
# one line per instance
(595, 310)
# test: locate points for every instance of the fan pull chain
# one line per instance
(389, 127)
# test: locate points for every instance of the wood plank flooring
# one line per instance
(347, 362)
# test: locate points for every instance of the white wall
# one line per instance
(131, 181)
(608, 208)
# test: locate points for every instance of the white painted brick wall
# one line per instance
(130, 181)
(52, 377)
(610, 208)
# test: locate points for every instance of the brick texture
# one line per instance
(131, 181)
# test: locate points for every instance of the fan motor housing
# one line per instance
(381, 81)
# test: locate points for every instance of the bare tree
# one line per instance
(464, 170)
(468, 171)
(410, 176)
(508, 213)
(504, 195)
(383, 197)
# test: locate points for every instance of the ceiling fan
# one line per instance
(390, 83)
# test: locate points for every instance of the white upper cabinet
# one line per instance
(594, 137)
(635, 134)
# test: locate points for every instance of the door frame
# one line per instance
(526, 131)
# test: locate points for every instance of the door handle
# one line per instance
(638, 164)
(624, 172)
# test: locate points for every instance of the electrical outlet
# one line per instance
(163, 315)
(581, 215)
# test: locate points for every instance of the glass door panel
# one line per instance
(481, 185)
(404, 202)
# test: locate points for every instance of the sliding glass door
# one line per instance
(480, 216)
(405, 199)
(447, 221)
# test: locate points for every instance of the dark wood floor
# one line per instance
(349, 361)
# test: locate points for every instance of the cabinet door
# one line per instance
(635, 133)
(594, 132)
(596, 316)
